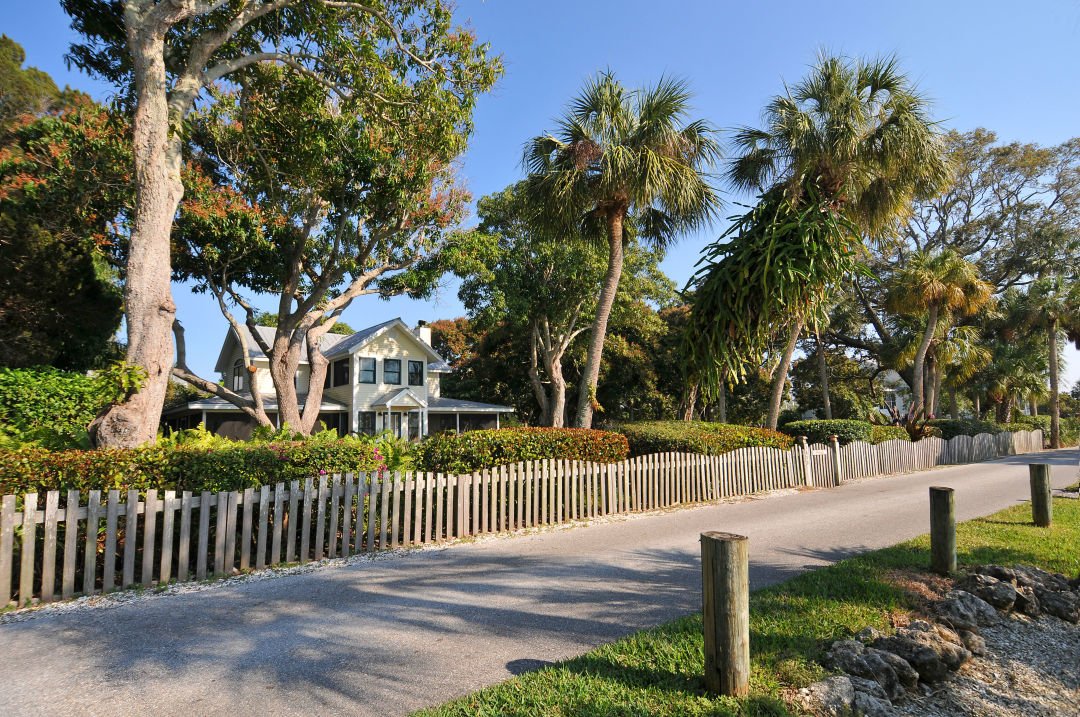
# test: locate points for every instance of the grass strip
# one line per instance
(659, 671)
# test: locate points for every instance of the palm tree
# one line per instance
(930, 284)
(1054, 306)
(618, 154)
(858, 133)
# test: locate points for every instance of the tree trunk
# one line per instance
(591, 375)
(721, 402)
(1055, 399)
(976, 402)
(954, 407)
(776, 395)
(691, 399)
(918, 391)
(1033, 405)
(284, 361)
(823, 371)
(935, 405)
(148, 304)
(534, 377)
(558, 390)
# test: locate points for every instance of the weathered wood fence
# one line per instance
(95, 542)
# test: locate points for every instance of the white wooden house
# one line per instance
(384, 377)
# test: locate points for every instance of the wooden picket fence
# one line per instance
(66, 547)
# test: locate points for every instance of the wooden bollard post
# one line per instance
(725, 582)
(942, 530)
(807, 464)
(1042, 509)
(834, 451)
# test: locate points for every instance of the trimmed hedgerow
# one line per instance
(950, 428)
(880, 434)
(819, 431)
(711, 439)
(476, 450)
(194, 468)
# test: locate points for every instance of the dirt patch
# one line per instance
(921, 588)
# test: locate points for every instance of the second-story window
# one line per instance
(341, 372)
(416, 373)
(238, 375)
(367, 371)
(391, 371)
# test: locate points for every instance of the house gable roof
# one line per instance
(333, 345)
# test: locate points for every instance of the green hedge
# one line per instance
(880, 434)
(476, 450)
(1034, 422)
(33, 398)
(950, 428)
(194, 468)
(711, 439)
(819, 431)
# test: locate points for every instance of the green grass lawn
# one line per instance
(659, 671)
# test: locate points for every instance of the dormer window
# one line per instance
(416, 373)
(238, 375)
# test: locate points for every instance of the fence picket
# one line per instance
(417, 497)
(440, 490)
(335, 502)
(275, 541)
(294, 501)
(372, 503)
(264, 522)
(245, 539)
(184, 551)
(71, 537)
(320, 517)
(305, 521)
(29, 536)
(48, 554)
(93, 518)
(168, 508)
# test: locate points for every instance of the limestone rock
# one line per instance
(999, 572)
(973, 642)
(1036, 578)
(1026, 602)
(930, 654)
(905, 673)
(855, 659)
(834, 697)
(868, 687)
(1065, 605)
(998, 593)
(964, 611)
(868, 635)
(870, 706)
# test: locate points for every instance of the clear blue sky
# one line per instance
(1011, 67)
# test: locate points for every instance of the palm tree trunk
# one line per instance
(936, 403)
(976, 402)
(1055, 401)
(917, 391)
(587, 397)
(954, 408)
(780, 377)
(824, 374)
(1033, 405)
(691, 399)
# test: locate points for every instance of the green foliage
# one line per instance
(774, 265)
(851, 386)
(710, 439)
(1034, 422)
(47, 398)
(194, 460)
(880, 434)
(475, 450)
(845, 430)
(64, 184)
(949, 428)
(23, 90)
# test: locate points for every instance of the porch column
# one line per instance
(204, 418)
(457, 422)
(496, 421)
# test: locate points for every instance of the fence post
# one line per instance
(1042, 509)
(834, 449)
(807, 464)
(725, 582)
(942, 530)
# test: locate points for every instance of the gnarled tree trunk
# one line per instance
(917, 390)
(148, 304)
(823, 372)
(1055, 399)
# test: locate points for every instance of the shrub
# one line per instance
(711, 439)
(476, 450)
(194, 467)
(880, 434)
(845, 430)
(35, 398)
(950, 428)
(1034, 422)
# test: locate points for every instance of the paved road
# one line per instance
(390, 636)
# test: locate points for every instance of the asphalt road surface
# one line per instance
(390, 636)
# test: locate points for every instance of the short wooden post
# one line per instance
(1042, 509)
(725, 582)
(807, 464)
(834, 452)
(942, 530)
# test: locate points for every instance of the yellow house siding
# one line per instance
(432, 380)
